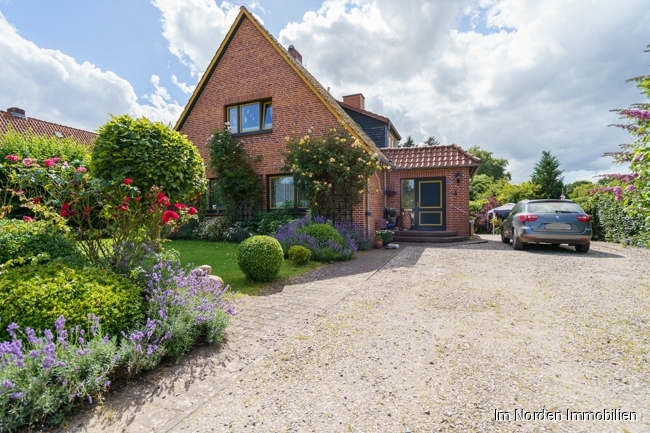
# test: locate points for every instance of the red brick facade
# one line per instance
(456, 194)
(250, 68)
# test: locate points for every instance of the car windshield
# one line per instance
(554, 207)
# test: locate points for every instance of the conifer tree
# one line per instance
(431, 141)
(408, 143)
(548, 176)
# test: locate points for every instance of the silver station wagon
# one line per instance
(547, 221)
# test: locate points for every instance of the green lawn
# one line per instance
(222, 256)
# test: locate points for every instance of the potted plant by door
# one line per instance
(385, 235)
(389, 214)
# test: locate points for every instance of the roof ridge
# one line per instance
(364, 111)
(355, 130)
(46, 121)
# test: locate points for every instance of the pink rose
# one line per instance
(169, 215)
(127, 181)
(49, 163)
(28, 219)
(12, 158)
(192, 211)
(82, 170)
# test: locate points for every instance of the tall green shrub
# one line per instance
(149, 153)
(237, 183)
(332, 170)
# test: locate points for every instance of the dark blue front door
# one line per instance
(430, 207)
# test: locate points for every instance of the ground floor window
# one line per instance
(214, 202)
(282, 190)
(408, 193)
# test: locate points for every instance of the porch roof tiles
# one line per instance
(447, 156)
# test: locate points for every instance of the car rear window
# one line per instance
(554, 206)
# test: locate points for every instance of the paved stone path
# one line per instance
(159, 400)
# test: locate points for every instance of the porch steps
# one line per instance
(426, 236)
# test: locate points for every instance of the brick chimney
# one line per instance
(295, 54)
(17, 112)
(357, 100)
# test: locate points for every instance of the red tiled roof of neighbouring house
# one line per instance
(447, 156)
(41, 127)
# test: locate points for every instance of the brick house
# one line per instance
(266, 94)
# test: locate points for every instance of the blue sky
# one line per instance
(122, 36)
(512, 76)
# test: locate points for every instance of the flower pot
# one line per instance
(378, 244)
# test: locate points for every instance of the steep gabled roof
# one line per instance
(44, 128)
(350, 125)
(447, 156)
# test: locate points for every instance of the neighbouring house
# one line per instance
(265, 93)
(16, 119)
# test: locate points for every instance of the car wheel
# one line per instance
(504, 239)
(517, 244)
(583, 248)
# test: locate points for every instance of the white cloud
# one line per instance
(185, 88)
(52, 86)
(195, 29)
(162, 107)
(255, 5)
(543, 78)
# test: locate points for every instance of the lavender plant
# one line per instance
(43, 376)
(324, 250)
(183, 307)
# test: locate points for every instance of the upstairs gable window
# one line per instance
(250, 117)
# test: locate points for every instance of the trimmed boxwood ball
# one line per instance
(260, 258)
(35, 297)
(323, 233)
(299, 254)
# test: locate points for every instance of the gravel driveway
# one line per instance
(461, 339)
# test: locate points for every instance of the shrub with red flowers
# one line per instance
(100, 213)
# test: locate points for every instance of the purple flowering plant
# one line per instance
(183, 306)
(42, 375)
(330, 250)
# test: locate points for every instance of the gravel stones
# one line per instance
(445, 339)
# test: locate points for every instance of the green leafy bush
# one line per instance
(331, 170)
(149, 153)
(299, 254)
(22, 241)
(35, 296)
(260, 258)
(323, 233)
(615, 224)
(30, 145)
(267, 223)
(239, 186)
